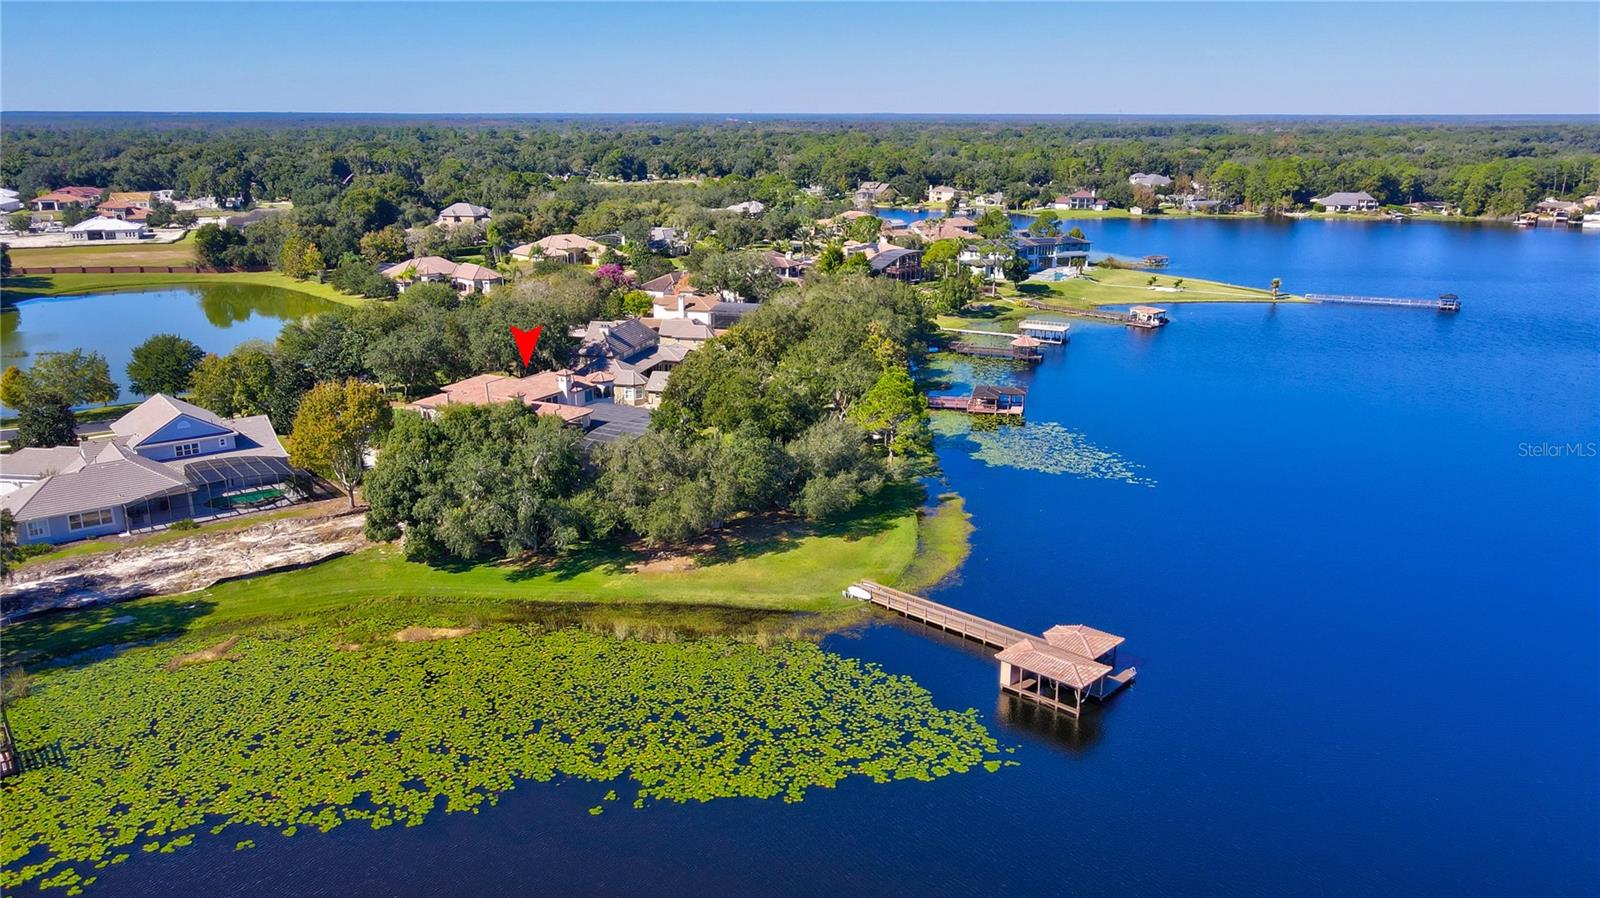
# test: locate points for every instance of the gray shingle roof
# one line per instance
(39, 462)
(101, 485)
(155, 413)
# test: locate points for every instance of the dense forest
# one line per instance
(541, 168)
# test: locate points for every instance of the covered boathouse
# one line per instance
(1070, 664)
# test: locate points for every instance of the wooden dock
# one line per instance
(1059, 670)
(984, 400)
(1447, 302)
(950, 620)
(1015, 353)
(1106, 315)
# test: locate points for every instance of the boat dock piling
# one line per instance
(1058, 670)
(1447, 302)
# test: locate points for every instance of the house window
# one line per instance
(184, 450)
(222, 443)
(89, 519)
(37, 529)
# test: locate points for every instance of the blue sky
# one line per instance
(1119, 58)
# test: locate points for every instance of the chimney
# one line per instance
(564, 384)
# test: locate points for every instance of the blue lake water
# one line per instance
(1362, 603)
(216, 316)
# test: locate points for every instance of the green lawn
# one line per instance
(31, 286)
(179, 252)
(762, 567)
(1103, 287)
(102, 414)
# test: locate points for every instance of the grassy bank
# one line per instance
(766, 564)
(1104, 287)
(944, 537)
(104, 414)
(24, 287)
(1117, 286)
(177, 252)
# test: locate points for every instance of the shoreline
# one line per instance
(14, 292)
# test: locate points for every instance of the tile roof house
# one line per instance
(464, 276)
(562, 393)
(472, 277)
(787, 268)
(955, 228)
(684, 331)
(1347, 201)
(59, 199)
(166, 460)
(661, 286)
(457, 214)
(682, 301)
(565, 247)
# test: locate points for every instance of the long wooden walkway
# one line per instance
(950, 620)
(1092, 314)
(1445, 303)
(1015, 353)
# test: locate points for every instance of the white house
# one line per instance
(943, 193)
(102, 228)
(1152, 181)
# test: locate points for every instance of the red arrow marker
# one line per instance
(526, 341)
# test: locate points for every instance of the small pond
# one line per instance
(216, 316)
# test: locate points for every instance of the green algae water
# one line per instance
(300, 732)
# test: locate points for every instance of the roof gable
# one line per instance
(145, 423)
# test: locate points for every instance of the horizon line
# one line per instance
(833, 114)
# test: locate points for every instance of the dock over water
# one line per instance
(986, 399)
(1447, 302)
(1057, 670)
(1145, 317)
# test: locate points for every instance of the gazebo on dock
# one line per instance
(997, 400)
(1070, 664)
(1147, 316)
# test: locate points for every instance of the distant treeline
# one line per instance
(1485, 168)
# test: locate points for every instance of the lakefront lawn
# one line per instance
(40, 285)
(765, 564)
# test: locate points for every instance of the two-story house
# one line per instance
(166, 460)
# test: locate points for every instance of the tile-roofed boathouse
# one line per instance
(1068, 664)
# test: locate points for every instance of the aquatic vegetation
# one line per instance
(1047, 447)
(294, 731)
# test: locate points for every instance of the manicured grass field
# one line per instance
(101, 253)
(31, 286)
(1119, 286)
(763, 566)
